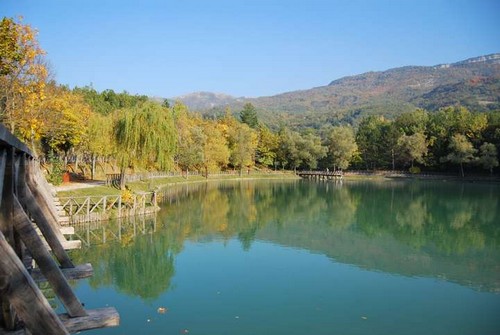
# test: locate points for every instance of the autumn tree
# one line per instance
(267, 146)
(242, 144)
(190, 138)
(66, 117)
(215, 149)
(23, 76)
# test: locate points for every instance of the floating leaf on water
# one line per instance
(162, 310)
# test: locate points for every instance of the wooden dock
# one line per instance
(321, 175)
(26, 211)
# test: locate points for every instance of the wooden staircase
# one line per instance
(30, 228)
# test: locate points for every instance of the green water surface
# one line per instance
(298, 257)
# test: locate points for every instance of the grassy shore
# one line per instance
(159, 183)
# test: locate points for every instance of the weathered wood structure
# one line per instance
(321, 175)
(26, 211)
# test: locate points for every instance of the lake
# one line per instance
(301, 257)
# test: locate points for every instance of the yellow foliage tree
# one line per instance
(23, 77)
(66, 116)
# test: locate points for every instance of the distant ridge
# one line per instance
(474, 83)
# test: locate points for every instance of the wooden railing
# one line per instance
(25, 204)
(321, 174)
(97, 208)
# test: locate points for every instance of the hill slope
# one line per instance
(474, 83)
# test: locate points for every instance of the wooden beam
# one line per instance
(78, 272)
(7, 139)
(49, 268)
(96, 318)
(25, 297)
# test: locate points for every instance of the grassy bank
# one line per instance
(159, 183)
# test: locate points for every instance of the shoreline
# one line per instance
(74, 189)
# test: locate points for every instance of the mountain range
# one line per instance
(473, 83)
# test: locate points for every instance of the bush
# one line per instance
(55, 176)
(414, 170)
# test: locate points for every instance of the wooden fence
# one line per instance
(98, 208)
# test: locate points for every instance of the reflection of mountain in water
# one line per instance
(447, 231)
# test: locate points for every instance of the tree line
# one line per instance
(132, 132)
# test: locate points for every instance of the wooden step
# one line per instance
(95, 318)
(78, 272)
(67, 245)
(66, 230)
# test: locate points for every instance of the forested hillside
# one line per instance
(473, 83)
(124, 133)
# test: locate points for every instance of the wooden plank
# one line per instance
(96, 318)
(78, 272)
(49, 268)
(67, 230)
(25, 297)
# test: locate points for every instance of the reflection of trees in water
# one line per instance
(454, 218)
(409, 228)
(130, 256)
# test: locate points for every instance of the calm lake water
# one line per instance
(298, 257)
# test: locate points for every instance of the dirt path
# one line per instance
(76, 185)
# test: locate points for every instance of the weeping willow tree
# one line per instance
(146, 137)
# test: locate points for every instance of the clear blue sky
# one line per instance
(250, 47)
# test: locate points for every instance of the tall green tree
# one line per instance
(374, 143)
(461, 151)
(341, 146)
(297, 150)
(145, 136)
(249, 116)
(412, 148)
(488, 156)
(446, 123)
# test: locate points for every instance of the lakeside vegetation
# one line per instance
(102, 132)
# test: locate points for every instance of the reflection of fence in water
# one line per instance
(120, 229)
